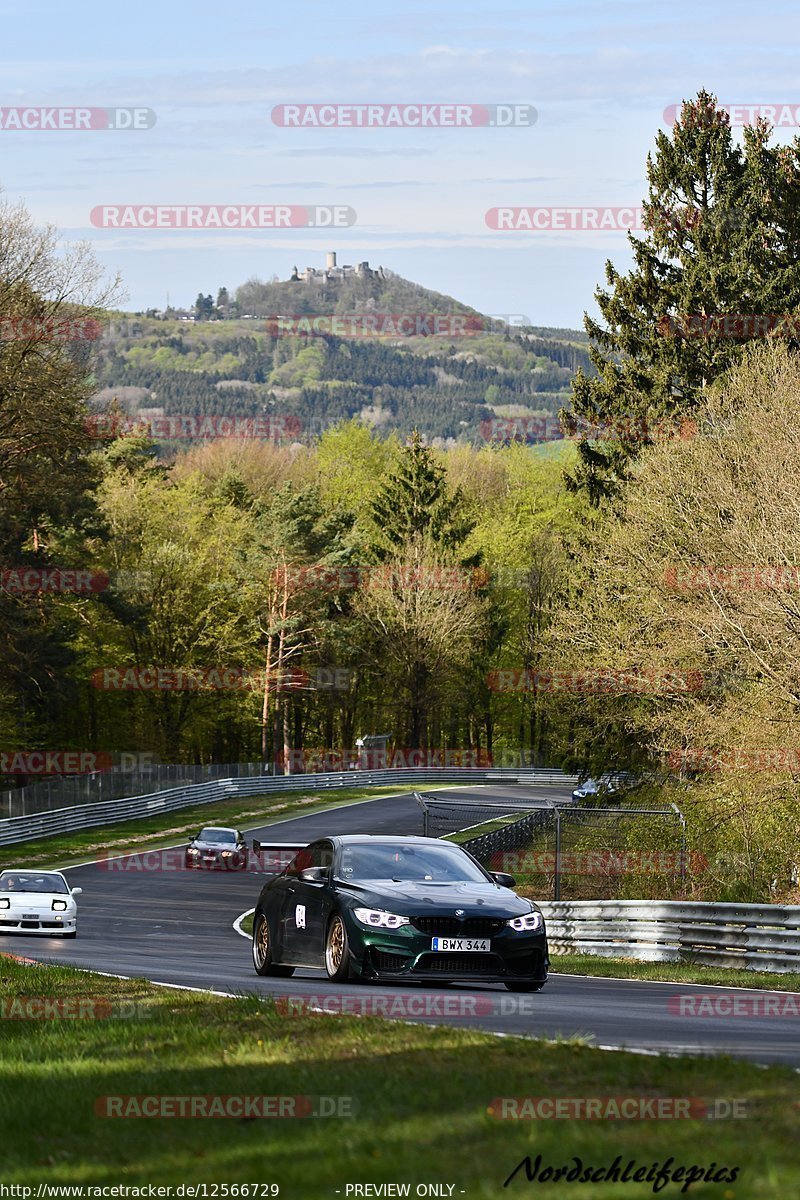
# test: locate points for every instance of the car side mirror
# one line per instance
(77, 891)
(503, 879)
(314, 875)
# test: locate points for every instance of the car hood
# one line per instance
(213, 845)
(34, 900)
(413, 898)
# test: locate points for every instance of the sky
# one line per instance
(210, 77)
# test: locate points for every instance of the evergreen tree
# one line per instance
(722, 240)
(416, 503)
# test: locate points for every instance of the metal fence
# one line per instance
(442, 815)
(749, 936)
(24, 828)
(144, 778)
(498, 848)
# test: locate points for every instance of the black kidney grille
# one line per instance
(462, 964)
(475, 927)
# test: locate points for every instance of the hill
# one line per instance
(270, 351)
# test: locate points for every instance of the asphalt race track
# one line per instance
(175, 926)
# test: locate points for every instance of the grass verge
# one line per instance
(421, 1098)
(629, 968)
(168, 828)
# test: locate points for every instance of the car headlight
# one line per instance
(227, 853)
(526, 924)
(59, 906)
(192, 850)
(5, 902)
(376, 918)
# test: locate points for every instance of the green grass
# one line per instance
(168, 828)
(421, 1097)
(628, 968)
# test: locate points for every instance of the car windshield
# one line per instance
(24, 881)
(437, 864)
(217, 835)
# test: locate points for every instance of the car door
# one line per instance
(304, 907)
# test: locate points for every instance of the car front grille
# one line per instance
(388, 962)
(461, 964)
(475, 927)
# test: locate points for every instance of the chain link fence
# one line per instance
(569, 851)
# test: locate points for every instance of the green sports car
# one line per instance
(398, 908)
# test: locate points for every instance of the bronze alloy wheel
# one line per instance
(261, 943)
(337, 951)
(262, 950)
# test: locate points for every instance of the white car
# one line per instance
(38, 902)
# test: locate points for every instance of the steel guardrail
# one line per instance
(752, 937)
(89, 816)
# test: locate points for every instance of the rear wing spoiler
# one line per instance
(273, 857)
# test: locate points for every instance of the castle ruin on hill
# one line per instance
(330, 272)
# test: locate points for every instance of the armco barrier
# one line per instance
(90, 816)
(751, 937)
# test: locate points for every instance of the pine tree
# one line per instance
(723, 238)
(417, 504)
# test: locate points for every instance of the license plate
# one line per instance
(30, 916)
(459, 945)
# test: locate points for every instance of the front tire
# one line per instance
(74, 934)
(262, 950)
(337, 950)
